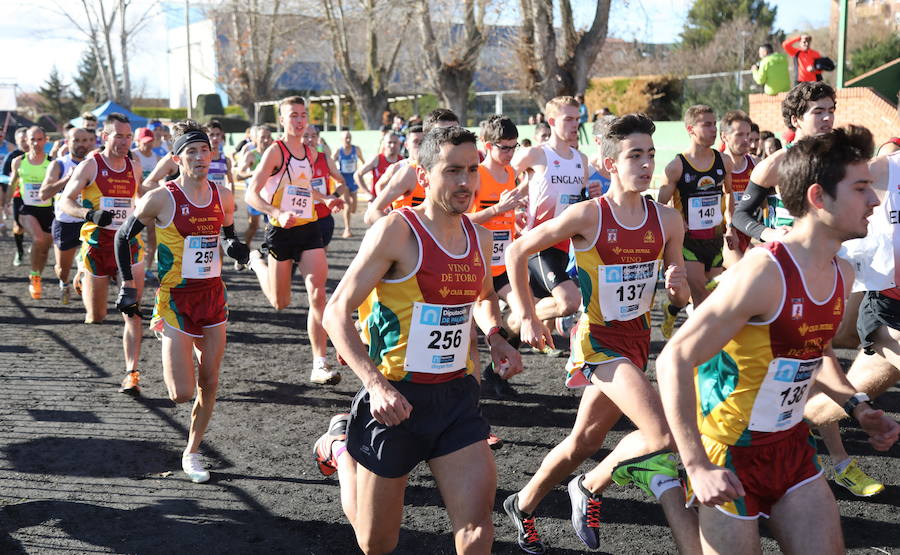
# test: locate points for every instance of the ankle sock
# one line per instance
(842, 466)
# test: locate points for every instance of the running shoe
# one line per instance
(238, 266)
(712, 284)
(641, 471)
(493, 385)
(34, 287)
(65, 293)
(337, 431)
(131, 384)
(17, 260)
(668, 324)
(551, 352)
(565, 324)
(858, 482)
(190, 463)
(323, 375)
(494, 442)
(528, 539)
(585, 512)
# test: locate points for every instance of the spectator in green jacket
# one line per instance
(772, 71)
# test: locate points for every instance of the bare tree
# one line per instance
(549, 69)
(450, 75)
(368, 87)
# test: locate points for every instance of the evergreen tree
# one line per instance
(56, 100)
(87, 81)
(875, 52)
(707, 16)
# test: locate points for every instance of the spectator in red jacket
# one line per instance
(804, 58)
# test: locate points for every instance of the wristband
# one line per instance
(854, 401)
(495, 330)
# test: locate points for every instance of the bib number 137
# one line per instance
(630, 292)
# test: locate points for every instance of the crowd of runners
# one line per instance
(775, 255)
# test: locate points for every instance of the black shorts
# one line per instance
(326, 227)
(289, 244)
(875, 311)
(43, 214)
(706, 251)
(547, 269)
(445, 418)
(501, 281)
(66, 235)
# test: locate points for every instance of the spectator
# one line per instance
(771, 71)
(582, 119)
(771, 146)
(754, 140)
(804, 58)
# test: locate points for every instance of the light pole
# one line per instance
(187, 31)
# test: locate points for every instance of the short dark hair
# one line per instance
(88, 116)
(112, 118)
(796, 103)
(430, 151)
(288, 100)
(601, 124)
(541, 125)
(414, 129)
(732, 116)
(693, 113)
(499, 128)
(214, 124)
(440, 114)
(822, 159)
(754, 127)
(68, 126)
(184, 126)
(620, 128)
(767, 46)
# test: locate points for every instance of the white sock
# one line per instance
(320, 362)
(660, 483)
(841, 466)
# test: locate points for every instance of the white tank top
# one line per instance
(558, 188)
(67, 167)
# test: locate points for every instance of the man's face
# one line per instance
(36, 140)
(635, 163)
(737, 138)
(502, 151)
(263, 139)
(91, 125)
(294, 119)
(22, 141)
(117, 139)
(391, 145)
(805, 42)
(754, 141)
(541, 135)
(453, 181)
(413, 142)
(703, 131)
(216, 137)
(194, 160)
(565, 124)
(818, 118)
(310, 137)
(348, 138)
(849, 210)
(762, 53)
(80, 143)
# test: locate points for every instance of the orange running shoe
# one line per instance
(494, 442)
(131, 384)
(34, 288)
(337, 431)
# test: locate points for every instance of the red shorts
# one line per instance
(768, 472)
(743, 242)
(191, 309)
(101, 261)
(594, 345)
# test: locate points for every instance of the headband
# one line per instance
(192, 136)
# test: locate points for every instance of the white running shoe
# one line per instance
(190, 463)
(323, 375)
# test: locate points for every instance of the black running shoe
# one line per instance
(585, 512)
(528, 539)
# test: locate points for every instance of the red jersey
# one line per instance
(321, 181)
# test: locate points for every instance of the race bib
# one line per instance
(565, 201)
(502, 239)
(348, 165)
(217, 178)
(783, 393)
(120, 208)
(438, 338)
(626, 290)
(31, 195)
(704, 212)
(200, 258)
(297, 200)
(318, 183)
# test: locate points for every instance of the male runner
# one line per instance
(324, 170)
(220, 165)
(399, 183)
(735, 132)
(107, 184)
(428, 268)
(36, 214)
(621, 241)
(66, 229)
(390, 154)
(755, 146)
(149, 159)
(494, 208)
(734, 380)
(701, 177)
(281, 188)
(190, 311)
(598, 176)
(560, 176)
(347, 158)
(261, 139)
(21, 140)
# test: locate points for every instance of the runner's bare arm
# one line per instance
(673, 256)
(137, 172)
(271, 159)
(226, 196)
(487, 313)
(734, 302)
(526, 159)
(380, 254)
(247, 157)
(673, 174)
(365, 169)
(84, 173)
(386, 177)
(335, 174)
(53, 183)
(228, 175)
(765, 174)
(164, 168)
(14, 173)
(398, 186)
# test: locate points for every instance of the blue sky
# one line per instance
(35, 36)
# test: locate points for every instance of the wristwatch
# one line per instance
(498, 330)
(852, 402)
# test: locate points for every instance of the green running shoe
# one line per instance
(641, 470)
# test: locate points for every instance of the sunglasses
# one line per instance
(502, 148)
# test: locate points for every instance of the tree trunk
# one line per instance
(123, 45)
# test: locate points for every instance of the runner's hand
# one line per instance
(509, 200)
(883, 431)
(595, 189)
(536, 334)
(100, 217)
(715, 485)
(286, 218)
(127, 303)
(334, 204)
(388, 406)
(237, 250)
(731, 240)
(507, 360)
(676, 278)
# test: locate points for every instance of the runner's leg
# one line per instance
(467, 480)
(720, 533)
(314, 267)
(806, 521)
(379, 511)
(210, 350)
(133, 332)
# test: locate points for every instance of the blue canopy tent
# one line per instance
(108, 107)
